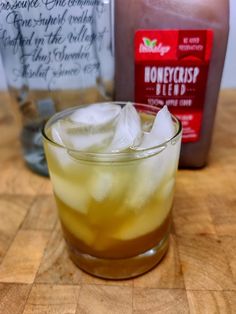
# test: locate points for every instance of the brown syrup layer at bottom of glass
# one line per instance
(119, 249)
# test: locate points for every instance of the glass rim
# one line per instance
(109, 155)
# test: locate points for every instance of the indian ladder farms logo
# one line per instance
(152, 46)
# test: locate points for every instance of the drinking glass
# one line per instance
(114, 208)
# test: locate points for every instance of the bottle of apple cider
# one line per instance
(171, 52)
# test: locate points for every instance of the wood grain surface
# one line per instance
(198, 274)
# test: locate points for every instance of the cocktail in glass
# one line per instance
(114, 205)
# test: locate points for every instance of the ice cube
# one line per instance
(73, 195)
(58, 153)
(84, 139)
(142, 223)
(153, 171)
(162, 130)
(148, 178)
(96, 115)
(100, 185)
(109, 182)
(166, 193)
(128, 130)
(89, 128)
(56, 134)
(163, 124)
(78, 227)
(151, 174)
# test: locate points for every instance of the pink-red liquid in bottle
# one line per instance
(171, 52)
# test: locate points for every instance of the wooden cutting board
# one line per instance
(198, 275)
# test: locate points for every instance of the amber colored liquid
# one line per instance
(104, 246)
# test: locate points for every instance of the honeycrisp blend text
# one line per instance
(172, 53)
(171, 68)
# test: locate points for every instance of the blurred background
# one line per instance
(229, 77)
